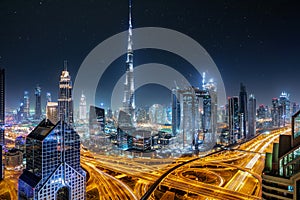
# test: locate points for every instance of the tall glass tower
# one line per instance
(65, 101)
(129, 98)
(82, 108)
(53, 169)
(26, 105)
(251, 116)
(233, 118)
(38, 106)
(243, 113)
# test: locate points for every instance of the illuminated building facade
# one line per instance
(38, 105)
(194, 116)
(26, 104)
(233, 118)
(157, 114)
(275, 113)
(52, 164)
(48, 97)
(52, 112)
(65, 101)
(2, 118)
(281, 177)
(82, 108)
(176, 114)
(210, 112)
(243, 111)
(53, 156)
(129, 97)
(96, 120)
(251, 116)
(284, 101)
(261, 112)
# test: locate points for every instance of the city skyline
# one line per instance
(245, 42)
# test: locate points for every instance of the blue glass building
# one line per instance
(53, 164)
(53, 169)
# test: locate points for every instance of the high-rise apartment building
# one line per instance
(38, 105)
(243, 111)
(26, 105)
(233, 118)
(82, 108)
(251, 116)
(65, 101)
(281, 175)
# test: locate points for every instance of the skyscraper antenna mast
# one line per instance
(65, 65)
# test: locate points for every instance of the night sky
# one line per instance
(254, 42)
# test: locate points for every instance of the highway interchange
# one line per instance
(233, 173)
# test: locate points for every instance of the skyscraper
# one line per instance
(38, 106)
(129, 97)
(284, 100)
(2, 118)
(243, 113)
(176, 116)
(48, 97)
(96, 120)
(251, 116)
(65, 101)
(233, 118)
(52, 112)
(82, 108)
(26, 104)
(53, 156)
(275, 113)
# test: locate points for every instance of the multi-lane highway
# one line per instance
(227, 174)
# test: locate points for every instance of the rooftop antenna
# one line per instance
(203, 80)
(65, 65)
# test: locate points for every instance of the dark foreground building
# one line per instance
(281, 177)
(53, 164)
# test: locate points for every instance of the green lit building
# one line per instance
(281, 177)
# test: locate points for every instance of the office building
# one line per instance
(194, 116)
(157, 114)
(261, 112)
(243, 111)
(53, 168)
(38, 105)
(233, 118)
(284, 100)
(26, 104)
(52, 112)
(275, 113)
(65, 101)
(48, 97)
(82, 108)
(176, 114)
(251, 116)
(96, 120)
(52, 164)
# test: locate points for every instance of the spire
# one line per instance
(65, 65)
(129, 48)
